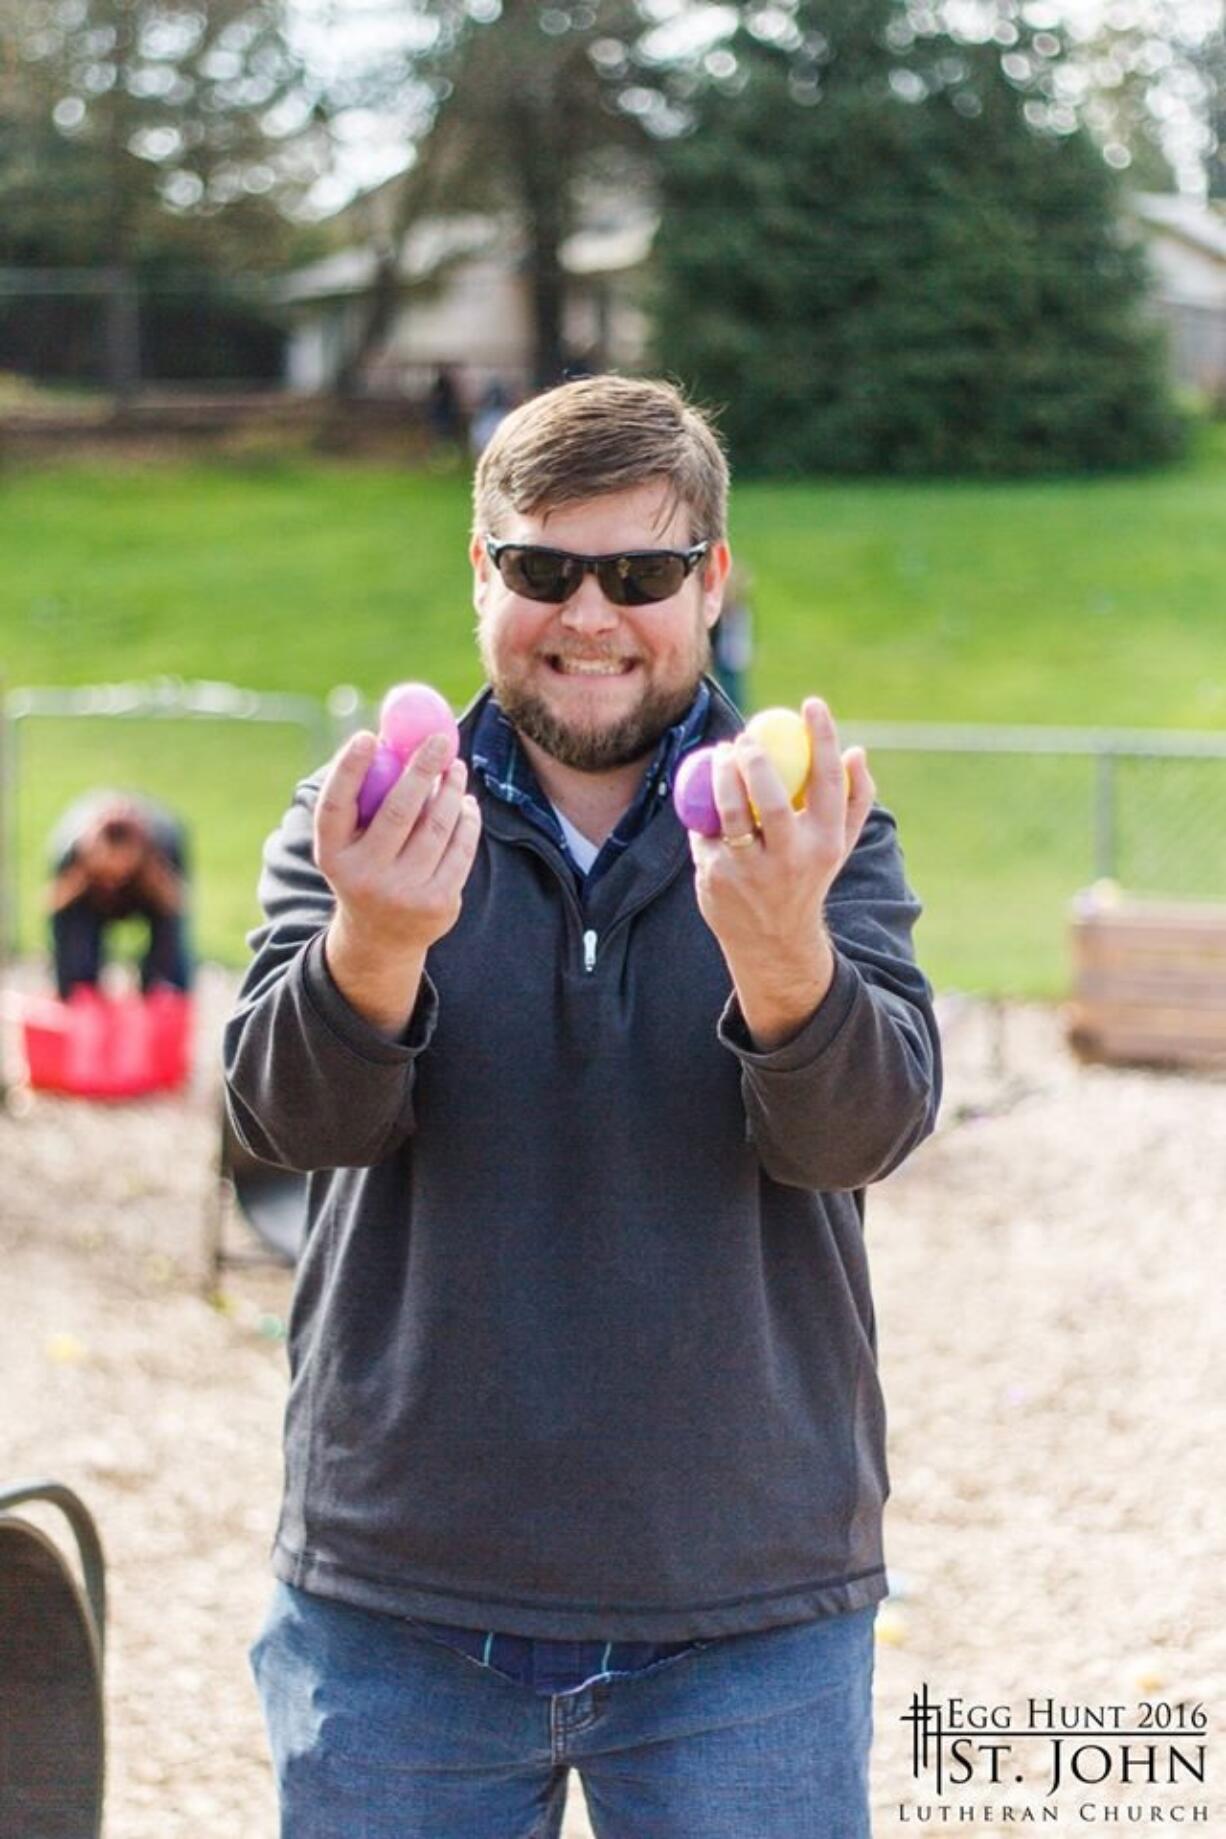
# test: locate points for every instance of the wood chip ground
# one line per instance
(1049, 1274)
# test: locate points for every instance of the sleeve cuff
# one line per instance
(813, 1038)
(358, 1035)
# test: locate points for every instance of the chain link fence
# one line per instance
(224, 759)
(1000, 827)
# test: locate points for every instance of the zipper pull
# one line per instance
(589, 951)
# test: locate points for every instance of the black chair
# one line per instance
(52, 1744)
(271, 1200)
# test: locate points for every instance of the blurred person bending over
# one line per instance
(732, 639)
(585, 1443)
(116, 857)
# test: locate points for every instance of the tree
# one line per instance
(530, 106)
(126, 124)
(137, 136)
(877, 263)
(539, 100)
(1211, 67)
(1130, 75)
(1144, 76)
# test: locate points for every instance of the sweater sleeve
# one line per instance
(309, 1083)
(848, 1097)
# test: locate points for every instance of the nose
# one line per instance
(587, 610)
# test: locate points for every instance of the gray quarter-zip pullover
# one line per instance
(582, 1342)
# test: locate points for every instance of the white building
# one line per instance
(1185, 239)
(464, 299)
(465, 304)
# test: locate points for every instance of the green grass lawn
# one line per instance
(1095, 602)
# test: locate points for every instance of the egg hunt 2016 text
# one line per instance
(958, 1744)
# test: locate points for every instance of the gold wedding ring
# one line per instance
(740, 842)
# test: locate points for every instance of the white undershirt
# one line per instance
(581, 848)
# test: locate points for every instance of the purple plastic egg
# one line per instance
(381, 776)
(694, 795)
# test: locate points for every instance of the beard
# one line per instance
(597, 750)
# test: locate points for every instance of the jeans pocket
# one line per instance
(668, 1660)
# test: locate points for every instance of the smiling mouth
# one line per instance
(590, 667)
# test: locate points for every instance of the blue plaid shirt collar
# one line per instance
(507, 771)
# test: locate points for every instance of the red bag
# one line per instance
(100, 1046)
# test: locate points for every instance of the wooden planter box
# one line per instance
(1149, 981)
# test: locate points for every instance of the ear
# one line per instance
(715, 569)
(481, 569)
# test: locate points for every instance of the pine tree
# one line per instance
(877, 263)
(128, 127)
(149, 150)
(531, 110)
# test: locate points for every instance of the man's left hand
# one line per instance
(764, 899)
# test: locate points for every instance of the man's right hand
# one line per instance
(399, 883)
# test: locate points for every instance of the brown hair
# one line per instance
(598, 435)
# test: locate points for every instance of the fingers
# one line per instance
(749, 792)
(826, 786)
(336, 808)
(390, 827)
(457, 858)
(432, 833)
(769, 806)
(731, 795)
(838, 792)
(861, 791)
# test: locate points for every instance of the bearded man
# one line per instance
(585, 1444)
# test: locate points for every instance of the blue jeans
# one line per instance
(380, 1732)
(77, 932)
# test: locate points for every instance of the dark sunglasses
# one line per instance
(634, 579)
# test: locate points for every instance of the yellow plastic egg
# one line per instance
(784, 739)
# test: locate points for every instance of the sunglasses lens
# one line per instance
(538, 574)
(637, 580)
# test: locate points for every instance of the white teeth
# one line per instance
(575, 666)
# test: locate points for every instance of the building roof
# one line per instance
(609, 243)
(1195, 220)
(429, 244)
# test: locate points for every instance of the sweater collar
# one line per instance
(498, 758)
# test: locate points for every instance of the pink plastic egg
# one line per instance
(694, 795)
(381, 776)
(410, 713)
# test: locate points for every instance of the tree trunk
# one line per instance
(379, 320)
(1213, 74)
(543, 179)
(548, 289)
(121, 313)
